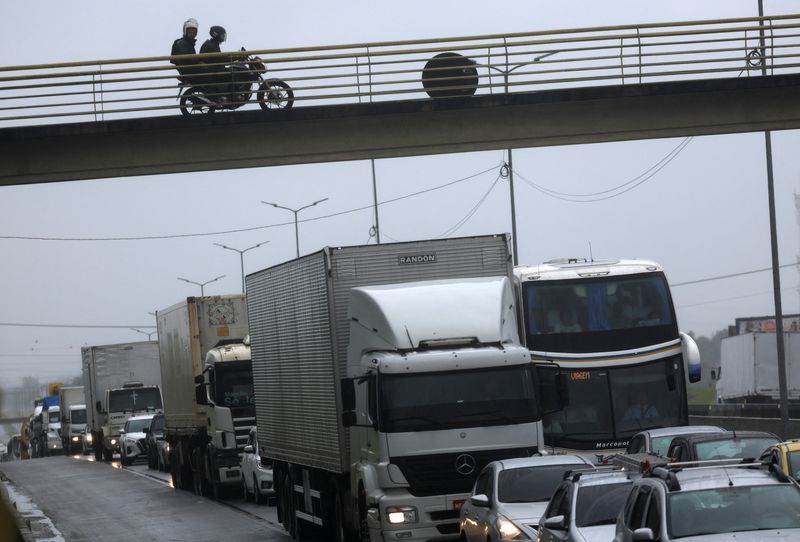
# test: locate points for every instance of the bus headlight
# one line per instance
(401, 514)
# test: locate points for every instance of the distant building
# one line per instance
(764, 324)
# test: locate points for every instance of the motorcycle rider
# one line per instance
(187, 67)
(223, 78)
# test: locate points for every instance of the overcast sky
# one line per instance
(704, 214)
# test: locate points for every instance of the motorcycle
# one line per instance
(246, 79)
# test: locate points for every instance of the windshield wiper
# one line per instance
(437, 423)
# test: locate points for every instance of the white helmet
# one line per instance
(190, 23)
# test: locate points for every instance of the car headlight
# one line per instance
(507, 529)
(166, 448)
(113, 441)
(401, 514)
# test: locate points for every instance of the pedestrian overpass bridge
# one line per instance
(116, 118)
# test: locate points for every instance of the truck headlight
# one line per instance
(75, 439)
(507, 529)
(401, 514)
(88, 437)
(113, 441)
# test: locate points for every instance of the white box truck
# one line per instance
(73, 418)
(386, 377)
(119, 381)
(749, 368)
(208, 390)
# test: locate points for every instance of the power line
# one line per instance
(254, 228)
(721, 300)
(731, 275)
(638, 180)
(77, 326)
(457, 226)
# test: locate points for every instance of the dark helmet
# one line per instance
(218, 33)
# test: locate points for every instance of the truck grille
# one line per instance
(241, 428)
(437, 474)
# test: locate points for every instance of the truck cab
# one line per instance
(431, 399)
(73, 428)
(122, 403)
(51, 428)
(226, 390)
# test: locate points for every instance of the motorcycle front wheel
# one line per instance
(275, 94)
(192, 103)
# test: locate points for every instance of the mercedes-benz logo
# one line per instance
(465, 464)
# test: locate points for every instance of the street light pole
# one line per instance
(295, 211)
(241, 255)
(144, 332)
(201, 284)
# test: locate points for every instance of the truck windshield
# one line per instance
(453, 399)
(598, 314)
(607, 406)
(53, 416)
(233, 384)
(78, 416)
(134, 399)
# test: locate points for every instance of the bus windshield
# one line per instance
(605, 407)
(598, 314)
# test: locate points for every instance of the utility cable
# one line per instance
(457, 226)
(615, 191)
(77, 326)
(254, 228)
(720, 277)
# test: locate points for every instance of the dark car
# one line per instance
(157, 446)
(725, 445)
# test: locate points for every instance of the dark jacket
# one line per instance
(183, 46)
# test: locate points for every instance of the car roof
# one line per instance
(542, 461)
(601, 478)
(729, 434)
(141, 417)
(682, 430)
(788, 446)
(713, 477)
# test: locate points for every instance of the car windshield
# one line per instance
(137, 426)
(600, 504)
(660, 445)
(730, 447)
(448, 400)
(78, 416)
(730, 509)
(794, 464)
(531, 484)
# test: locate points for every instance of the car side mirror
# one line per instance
(121, 431)
(249, 449)
(481, 501)
(643, 533)
(556, 523)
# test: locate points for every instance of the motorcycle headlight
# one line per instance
(401, 514)
(508, 529)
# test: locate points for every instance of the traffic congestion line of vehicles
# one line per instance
(366, 387)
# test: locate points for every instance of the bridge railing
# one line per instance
(444, 68)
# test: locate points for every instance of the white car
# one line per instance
(657, 441)
(511, 495)
(256, 475)
(132, 437)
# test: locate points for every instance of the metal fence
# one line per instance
(444, 68)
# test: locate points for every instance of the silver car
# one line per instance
(585, 507)
(747, 502)
(257, 477)
(657, 441)
(511, 495)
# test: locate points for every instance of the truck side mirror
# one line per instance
(349, 418)
(200, 396)
(98, 406)
(552, 386)
(348, 389)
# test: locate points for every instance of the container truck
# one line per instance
(73, 418)
(208, 390)
(749, 368)
(386, 377)
(119, 381)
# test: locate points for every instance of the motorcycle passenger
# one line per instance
(187, 67)
(223, 77)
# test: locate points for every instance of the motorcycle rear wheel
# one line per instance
(275, 94)
(193, 104)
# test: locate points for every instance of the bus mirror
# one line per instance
(691, 353)
(563, 389)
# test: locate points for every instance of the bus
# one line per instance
(603, 334)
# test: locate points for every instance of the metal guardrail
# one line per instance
(409, 70)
